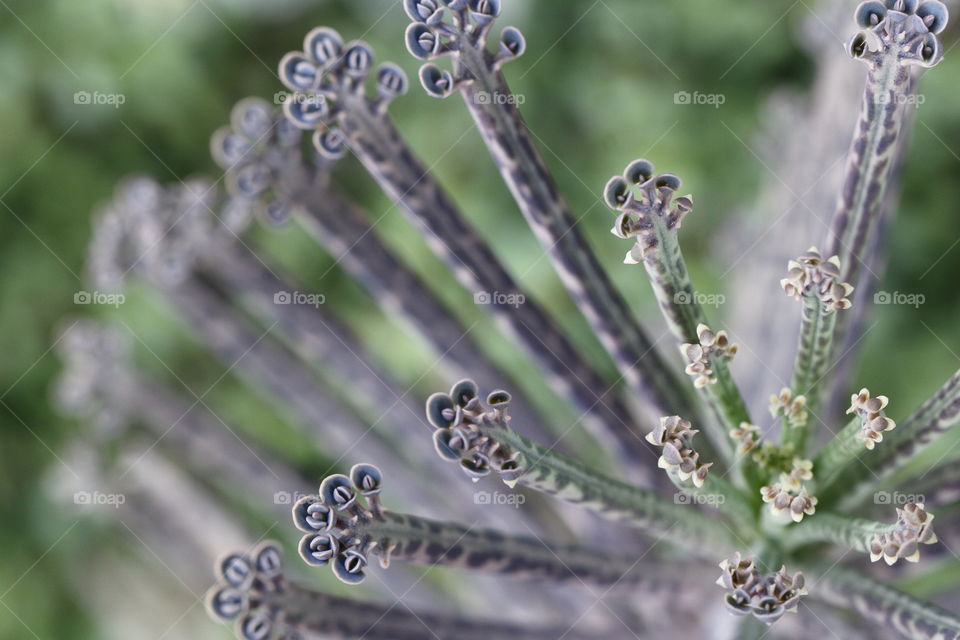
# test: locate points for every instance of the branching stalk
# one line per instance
(480, 440)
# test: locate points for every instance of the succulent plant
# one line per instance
(778, 506)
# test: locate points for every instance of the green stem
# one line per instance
(540, 468)
(721, 494)
(853, 533)
(683, 313)
(813, 357)
(842, 449)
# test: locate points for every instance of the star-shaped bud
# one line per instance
(914, 527)
(903, 30)
(642, 198)
(699, 357)
(811, 275)
(674, 435)
(873, 422)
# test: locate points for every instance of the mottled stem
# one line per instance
(883, 605)
(409, 538)
(837, 455)
(813, 359)
(370, 134)
(852, 533)
(568, 480)
(480, 439)
(683, 312)
(277, 374)
(488, 98)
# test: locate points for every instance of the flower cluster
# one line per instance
(458, 417)
(699, 356)
(643, 198)
(674, 436)
(792, 408)
(873, 423)
(904, 28)
(811, 275)
(766, 597)
(332, 518)
(458, 29)
(747, 437)
(914, 527)
(790, 493)
(245, 586)
(259, 150)
(328, 81)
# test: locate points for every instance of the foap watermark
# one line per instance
(897, 498)
(709, 99)
(99, 98)
(498, 497)
(99, 297)
(711, 499)
(702, 299)
(98, 498)
(485, 97)
(909, 99)
(288, 497)
(897, 297)
(299, 297)
(499, 298)
(305, 99)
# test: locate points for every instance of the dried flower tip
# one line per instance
(675, 435)
(810, 275)
(905, 29)
(699, 356)
(914, 527)
(766, 597)
(643, 198)
(873, 423)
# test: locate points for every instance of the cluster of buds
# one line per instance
(747, 437)
(674, 435)
(333, 521)
(790, 494)
(152, 229)
(259, 149)
(96, 366)
(792, 408)
(644, 199)
(247, 587)
(328, 81)
(463, 431)
(712, 345)
(914, 527)
(458, 29)
(872, 421)
(766, 597)
(811, 275)
(905, 29)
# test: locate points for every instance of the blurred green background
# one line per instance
(596, 95)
